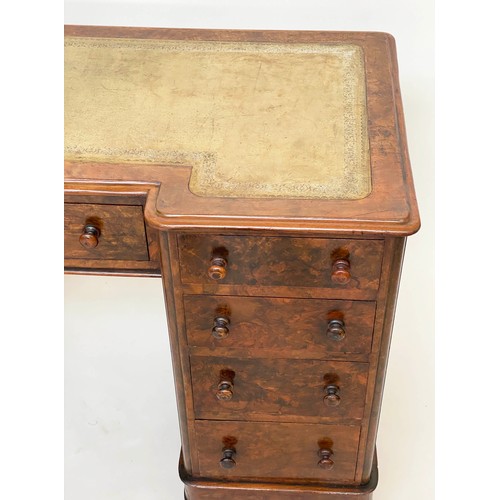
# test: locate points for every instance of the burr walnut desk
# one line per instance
(264, 175)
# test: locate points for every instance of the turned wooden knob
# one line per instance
(325, 461)
(227, 460)
(332, 397)
(221, 327)
(225, 389)
(217, 269)
(336, 330)
(341, 271)
(90, 236)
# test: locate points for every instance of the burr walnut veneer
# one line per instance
(264, 175)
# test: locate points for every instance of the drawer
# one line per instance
(104, 232)
(278, 389)
(277, 261)
(310, 328)
(270, 450)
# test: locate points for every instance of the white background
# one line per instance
(121, 438)
(467, 336)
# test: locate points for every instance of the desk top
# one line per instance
(248, 126)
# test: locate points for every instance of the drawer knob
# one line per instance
(332, 397)
(221, 327)
(325, 461)
(90, 236)
(225, 391)
(336, 330)
(227, 460)
(226, 384)
(217, 269)
(341, 271)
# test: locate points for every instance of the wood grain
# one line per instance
(122, 233)
(264, 261)
(278, 389)
(178, 350)
(384, 321)
(212, 489)
(276, 325)
(276, 450)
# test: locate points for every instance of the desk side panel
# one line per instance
(178, 345)
(384, 320)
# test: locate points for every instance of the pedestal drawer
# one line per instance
(278, 389)
(244, 450)
(344, 264)
(309, 328)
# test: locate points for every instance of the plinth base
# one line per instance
(206, 489)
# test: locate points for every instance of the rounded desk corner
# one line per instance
(412, 223)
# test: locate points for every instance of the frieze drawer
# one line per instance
(104, 232)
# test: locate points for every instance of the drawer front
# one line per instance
(271, 450)
(277, 261)
(307, 327)
(121, 232)
(279, 389)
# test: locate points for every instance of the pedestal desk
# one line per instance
(264, 175)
